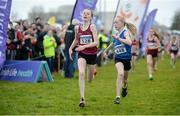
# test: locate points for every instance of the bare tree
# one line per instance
(14, 16)
(37, 11)
(176, 21)
(62, 13)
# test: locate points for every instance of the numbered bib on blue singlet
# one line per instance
(86, 39)
(119, 49)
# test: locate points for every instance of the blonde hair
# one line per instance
(131, 27)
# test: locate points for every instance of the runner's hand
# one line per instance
(70, 54)
(115, 36)
(80, 48)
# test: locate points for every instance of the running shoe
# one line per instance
(151, 78)
(117, 100)
(124, 91)
(82, 102)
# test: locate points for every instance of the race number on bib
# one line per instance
(152, 45)
(120, 49)
(174, 48)
(86, 39)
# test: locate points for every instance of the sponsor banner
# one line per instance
(81, 5)
(25, 71)
(5, 7)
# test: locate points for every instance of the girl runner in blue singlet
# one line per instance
(122, 49)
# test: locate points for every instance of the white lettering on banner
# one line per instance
(4, 5)
(85, 39)
(1, 22)
(119, 49)
(12, 72)
(8, 72)
(2, 54)
(1, 26)
(27, 73)
(2, 15)
(1, 38)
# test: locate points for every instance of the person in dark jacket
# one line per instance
(11, 43)
(70, 65)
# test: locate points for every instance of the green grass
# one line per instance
(145, 97)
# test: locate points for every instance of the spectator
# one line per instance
(39, 45)
(102, 46)
(38, 22)
(49, 44)
(28, 43)
(11, 43)
(19, 37)
(70, 65)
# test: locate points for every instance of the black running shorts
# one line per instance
(90, 59)
(126, 63)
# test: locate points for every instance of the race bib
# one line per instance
(152, 45)
(120, 49)
(86, 39)
(134, 48)
(174, 48)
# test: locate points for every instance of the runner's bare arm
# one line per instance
(75, 42)
(125, 41)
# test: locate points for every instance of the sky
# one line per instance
(166, 8)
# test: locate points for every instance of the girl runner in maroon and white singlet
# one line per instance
(86, 42)
(153, 45)
(134, 48)
(174, 48)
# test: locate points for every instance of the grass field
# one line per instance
(145, 97)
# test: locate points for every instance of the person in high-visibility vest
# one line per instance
(101, 46)
(102, 40)
(49, 44)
